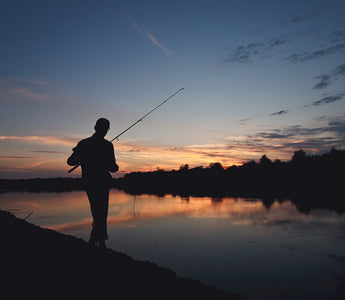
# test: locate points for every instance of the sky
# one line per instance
(259, 77)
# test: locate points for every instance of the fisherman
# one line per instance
(96, 157)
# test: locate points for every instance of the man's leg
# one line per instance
(92, 200)
(102, 215)
(99, 201)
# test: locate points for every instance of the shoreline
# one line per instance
(49, 264)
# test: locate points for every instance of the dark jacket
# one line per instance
(97, 159)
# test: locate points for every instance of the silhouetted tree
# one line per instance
(249, 164)
(299, 156)
(184, 167)
(264, 160)
(216, 166)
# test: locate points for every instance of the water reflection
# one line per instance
(261, 248)
(68, 211)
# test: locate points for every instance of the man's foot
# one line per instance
(92, 242)
(102, 245)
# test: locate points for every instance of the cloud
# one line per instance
(148, 34)
(147, 158)
(279, 113)
(333, 133)
(243, 121)
(50, 140)
(340, 70)
(247, 53)
(300, 18)
(134, 156)
(281, 142)
(47, 151)
(322, 101)
(305, 17)
(288, 132)
(307, 55)
(326, 79)
(31, 92)
(15, 157)
(329, 99)
(337, 36)
(155, 42)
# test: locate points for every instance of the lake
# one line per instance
(235, 244)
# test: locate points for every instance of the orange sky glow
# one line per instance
(131, 155)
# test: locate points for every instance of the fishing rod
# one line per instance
(135, 123)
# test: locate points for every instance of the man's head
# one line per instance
(102, 126)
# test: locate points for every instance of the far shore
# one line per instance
(309, 181)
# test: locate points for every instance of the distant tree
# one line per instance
(233, 167)
(334, 151)
(184, 167)
(264, 160)
(299, 156)
(278, 162)
(196, 170)
(215, 166)
(160, 170)
(249, 164)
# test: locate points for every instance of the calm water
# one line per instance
(235, 244)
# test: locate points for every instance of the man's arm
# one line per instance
(113, 167)
(74, 159)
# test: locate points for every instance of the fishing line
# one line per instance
(186, 77)
(134, 206)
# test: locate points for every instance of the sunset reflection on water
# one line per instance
(238, 244)
(67, 211)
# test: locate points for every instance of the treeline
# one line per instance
(306, 174)
(318, 175)
(41, 185)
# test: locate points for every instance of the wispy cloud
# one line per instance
(326, 79)
(148, 158)
(279, 113)
(15, 157)
(334, 43)
(305, 17)
(307, 55)
(337, 36)
(24, 90)
(134, 156)
(322, 101)
(248, 53)
(148, 34)
(329, 99)
(282, 141)
(47, 151)
(301, 18)
(50, 140)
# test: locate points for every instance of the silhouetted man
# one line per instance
(97, 159)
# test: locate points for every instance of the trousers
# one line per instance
(99, 201)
